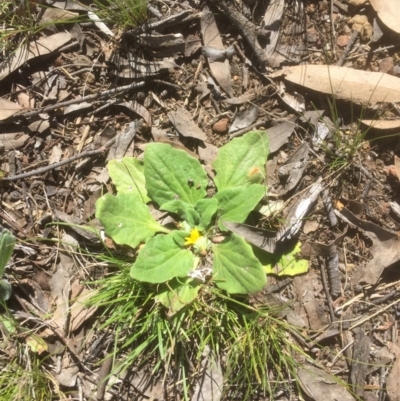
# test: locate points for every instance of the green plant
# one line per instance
(183, 258)
(252, 343)
(123, 13)
(7, 242)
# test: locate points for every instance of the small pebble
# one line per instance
(342, 40)
(221, 126)
(386, 65)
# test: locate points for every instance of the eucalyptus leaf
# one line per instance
(126, 219)
(235, 204)
(242, 161)
(172, 174)
(162, 259)
(206, 209)
(236, 269)
(128, 176)
(7, 242)
(177, 294)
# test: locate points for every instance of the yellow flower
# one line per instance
(194, 236)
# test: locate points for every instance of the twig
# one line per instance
(326, 199)
(173, 20)
(89, 153)
(95, 96)
(352, 40)
(326, 289)
(246, 27)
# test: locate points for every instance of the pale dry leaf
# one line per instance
(382, 124)
(80, 311)
(7, 108)
(211, 37)
(388, 13)
(138, 109)
(397, 165)
(55, 155)
(272, 22)
(344, 83)
(60, 289)
(35, 49)
(321, 386)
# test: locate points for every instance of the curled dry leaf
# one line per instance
(35, 49)
(388, 13)
(345, 83)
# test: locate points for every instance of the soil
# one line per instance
(349, 326)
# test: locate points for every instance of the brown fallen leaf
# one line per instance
(388, 13)
(321, 386)
(385, 250)
(345, 83)
(13, 140)
(303, 285)
(392, 381)
(211, 37)
(185, 125)
(272, 22)
(35, 49)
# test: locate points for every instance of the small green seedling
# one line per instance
(199, 249)
(7, 242)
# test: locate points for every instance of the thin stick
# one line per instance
(89, 153)
(95, 96)
(352, 40)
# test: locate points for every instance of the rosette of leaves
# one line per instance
(183, 259)
(7, 242)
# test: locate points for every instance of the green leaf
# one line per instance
(236, 269)
(206, 209)
(184, 210)
(7, 242)
(5, 290)
(172, 174)
(235, 204)
(288, 264)
(128, 176)
(126, 219)
(176, 295)
(161, 260)
(241, 161)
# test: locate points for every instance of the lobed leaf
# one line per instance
(126, 219)
(172, 174)
(236, 269)
(241, 162)
(161, 260)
